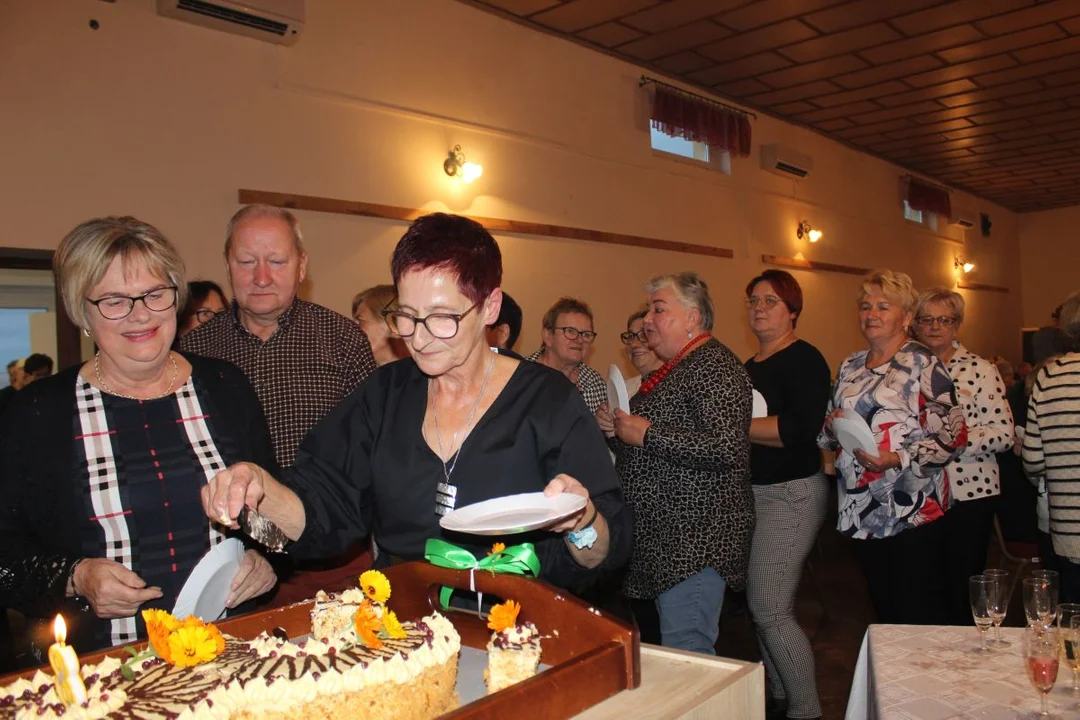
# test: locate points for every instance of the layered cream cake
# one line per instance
(410, 673)
(513, 650)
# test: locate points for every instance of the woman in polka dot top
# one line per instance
(973, 476)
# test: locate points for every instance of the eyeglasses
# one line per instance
(929, 320)
(572, 333)
(769, 301)
(442, 326)
(629, 337)
(205, 315)
(118, 307)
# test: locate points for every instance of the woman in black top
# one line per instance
(101, 465)
(790, 492)
(454, 425)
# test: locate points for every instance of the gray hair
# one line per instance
(691, 290)
(261, 211)
(1070, 316)
(85, 253)
(949, 298)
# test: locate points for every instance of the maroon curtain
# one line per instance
(928, 198)
(696, 120)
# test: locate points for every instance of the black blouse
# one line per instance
(796, 383)
(367, 468)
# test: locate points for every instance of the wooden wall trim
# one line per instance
(964, 285)
(518, 227)
(812, 265)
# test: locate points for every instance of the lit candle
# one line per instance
(65, 664)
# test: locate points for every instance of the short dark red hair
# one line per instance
(787, 289)
(454, 243)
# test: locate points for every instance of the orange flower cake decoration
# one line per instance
(375, 586)
(504, 616)
(367, 622)
(497, 548)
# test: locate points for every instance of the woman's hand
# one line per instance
(605, 420)
(240, 485)
(878, 464)
(631, 429)
(838, 412)
(563, 483)
(112, 590)
(254, 577)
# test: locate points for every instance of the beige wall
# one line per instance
(166, 121)
(1049, 246)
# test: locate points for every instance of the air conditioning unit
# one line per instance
(276, 21)
(964, 218)
(785, 161)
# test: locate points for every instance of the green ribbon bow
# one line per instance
(516, 559)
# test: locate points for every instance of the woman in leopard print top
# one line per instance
(684, 460)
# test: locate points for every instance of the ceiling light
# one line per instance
(455, 165)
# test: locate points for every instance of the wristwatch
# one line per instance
(586, 536)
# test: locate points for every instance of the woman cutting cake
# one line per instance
(454, 425)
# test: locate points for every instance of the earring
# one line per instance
(86, 332)
(689, 335)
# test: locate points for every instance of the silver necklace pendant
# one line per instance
(445, 497)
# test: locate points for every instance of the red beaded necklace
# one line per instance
(661, 373)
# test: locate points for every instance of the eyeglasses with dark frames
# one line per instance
(442, 326)
(629, 337)
(118, 307)
(929, 320)
(572, 333)
(205, 315)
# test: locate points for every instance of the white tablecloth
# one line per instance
(911, 672)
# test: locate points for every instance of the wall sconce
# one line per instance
(456, 166)
(965, 267)
(804, 230)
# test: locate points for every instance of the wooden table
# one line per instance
(677, 684)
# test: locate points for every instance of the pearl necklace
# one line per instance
(104, 386)
(654, 379)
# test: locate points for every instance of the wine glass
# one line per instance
(983, 593)
(1000, 607)
(1041, 649)
(1070, 640)
(1052, 577)
(1039, 606)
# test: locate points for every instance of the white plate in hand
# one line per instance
(761, 408)
(513, 513)
(854, 434)
(617, 396)
(204, 593)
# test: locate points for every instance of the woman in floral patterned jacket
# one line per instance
(890, 502)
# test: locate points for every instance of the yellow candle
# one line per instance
(65, 664)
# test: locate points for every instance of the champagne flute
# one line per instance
(1052, 578)
(1001, 604)
(982, 592)
(1038, 606)
(1041, 650)
(1070, 640)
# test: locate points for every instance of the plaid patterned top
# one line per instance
(591, 384)
(312, 361)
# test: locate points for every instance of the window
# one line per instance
(918, 216)
(695, 151)
(15, 341)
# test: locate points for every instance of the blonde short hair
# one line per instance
(1069, 318)
(949, 298)
(261, 211)
(86, 252)
(691, 291)
(375, 298)
(896, 286)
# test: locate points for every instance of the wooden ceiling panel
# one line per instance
(971, 91)
(954, 13)
(672, 41)
(577, 15)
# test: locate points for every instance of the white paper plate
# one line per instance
(617, 397)
(761, 408)
(854, 434)
(512, 514)
(203, 595)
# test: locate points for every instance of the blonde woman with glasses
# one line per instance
(974, 480)
(567, 337)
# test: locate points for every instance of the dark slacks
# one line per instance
(905, 575)
(968, 526)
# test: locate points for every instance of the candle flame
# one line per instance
(60, 629)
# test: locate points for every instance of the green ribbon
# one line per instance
(515, 559)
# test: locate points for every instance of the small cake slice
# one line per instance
(514, 649)
(332, 614)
